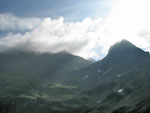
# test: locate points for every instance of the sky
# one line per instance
(86, 28)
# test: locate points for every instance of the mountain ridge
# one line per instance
(114, 79)
(64, 83)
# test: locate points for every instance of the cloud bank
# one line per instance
(128, 19)
(11, 22)
(47, 35)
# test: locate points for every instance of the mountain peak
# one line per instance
(126, 50)
(125, 42)
(121, 46)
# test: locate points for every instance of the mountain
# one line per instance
(119, 83)
(28, 80)
(64, 83)
(92, 60)
(44, 65)
(125, 51)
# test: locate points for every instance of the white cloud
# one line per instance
(11, 22)
(128, 19)
(55, 36)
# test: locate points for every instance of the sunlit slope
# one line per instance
(28, 80)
